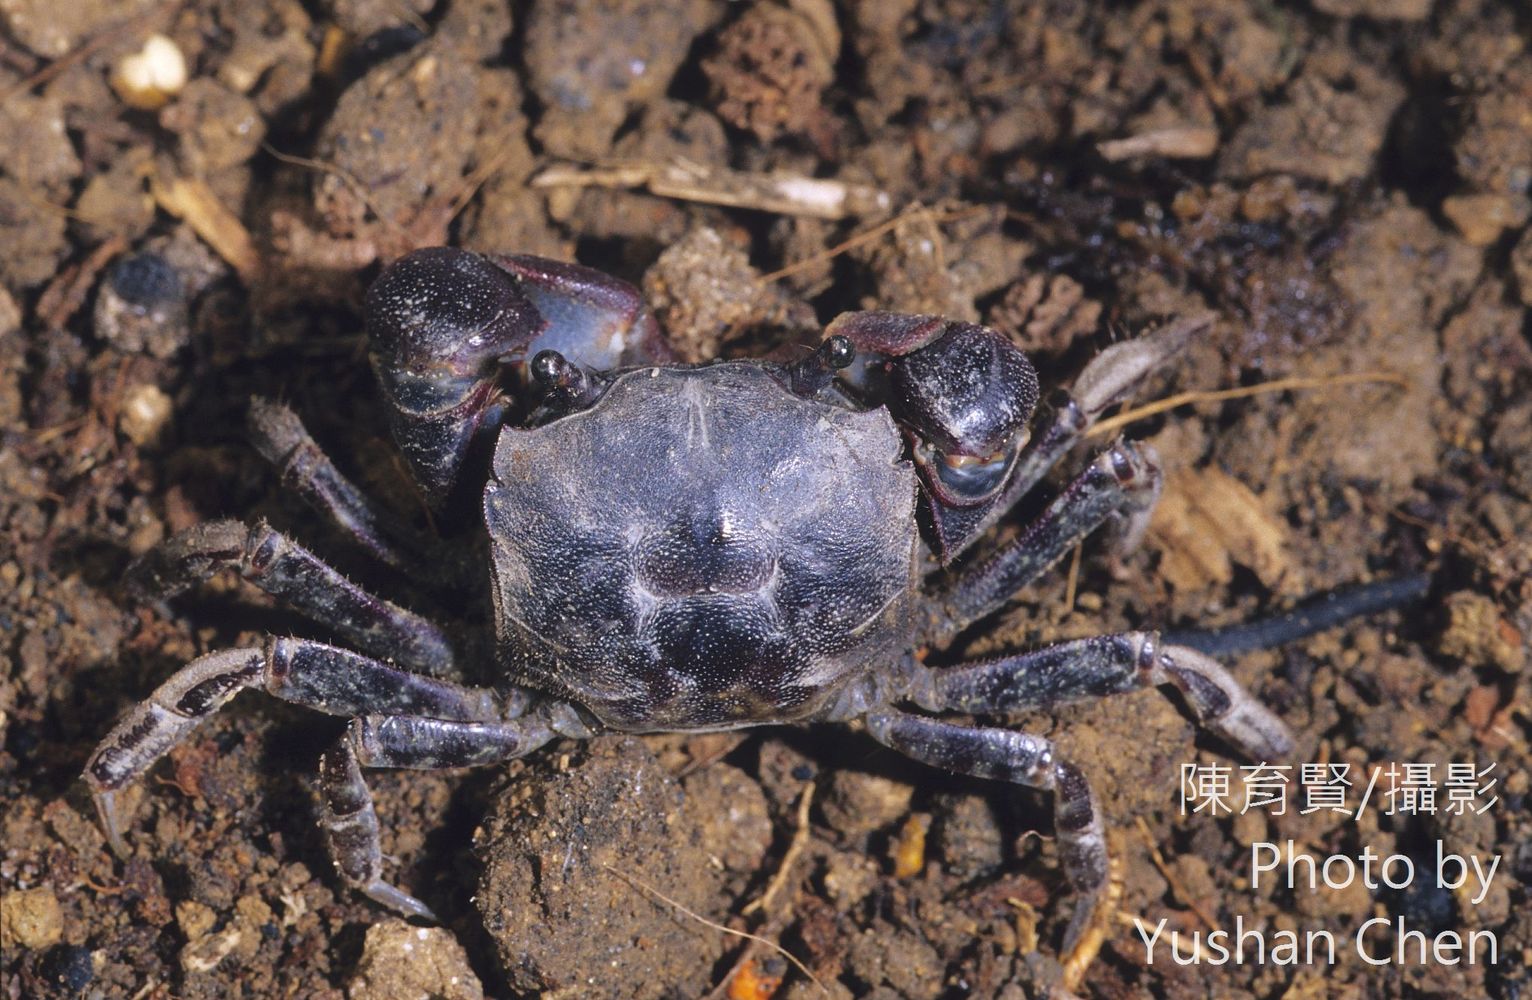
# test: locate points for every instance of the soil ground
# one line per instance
(1344, 183)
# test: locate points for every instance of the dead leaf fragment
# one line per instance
(190, 198)
(1207, 521)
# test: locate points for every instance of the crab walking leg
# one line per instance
(1123, 482)
(1021, 759)
(287, 570)
(282, 440)
(1106, 665)
(329, 679)
(349, 821)
(1106, 381)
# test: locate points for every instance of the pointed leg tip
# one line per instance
(399, 900)
(109, 813)
(1087, 932)
(1257, 733)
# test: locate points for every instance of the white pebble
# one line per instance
(150, 77)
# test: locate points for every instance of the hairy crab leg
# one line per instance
(287, 570)
(1105, 665)
(326, 678)
(282, 440)
(1066, 672)
(1021, 759)
(1122, 483)
(349, 821)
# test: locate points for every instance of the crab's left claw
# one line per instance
(963, 392)
(593, 319)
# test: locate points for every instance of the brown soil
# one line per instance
(1345, 183)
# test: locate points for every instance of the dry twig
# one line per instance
(869, 235)
(784, 194)
(713, 924)
(774, 922)
(1112, 424)
(789, 857)
(190, 199)
(1189, 142)
(67, 292)
(1169, 876)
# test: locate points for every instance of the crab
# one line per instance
(683, 548)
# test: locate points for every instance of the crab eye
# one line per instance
(838, 352)
(548, 366)
(811, 375)
(566, 386)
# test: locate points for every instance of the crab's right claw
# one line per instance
(963, 392)
(440, 323)
(444, 324)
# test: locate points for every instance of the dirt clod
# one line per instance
(770, 68)
(1477, 635)
(591, 62)
(1045, 315)
(1481, 218)
(52, 28)
(968, 836)
(402, 962)
(704, 288)
(575, 862)
(31, 918)
(1330, 128)
(856, 803)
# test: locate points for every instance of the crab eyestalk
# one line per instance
(566, 386)
(814, 373)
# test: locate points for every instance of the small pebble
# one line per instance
(855, 804)
(141, 306)
(1482, 218)
(71, 967)
(149, 78)
(910, 846)
(144, 414)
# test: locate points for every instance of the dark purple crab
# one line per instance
(684, 548)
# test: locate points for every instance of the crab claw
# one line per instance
(962, 390)
(593, 319)
(439, 322)
(964, 395)
(444, 324)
